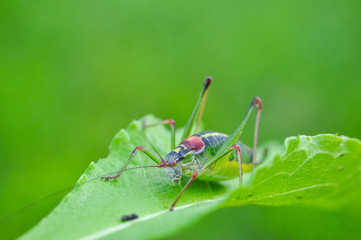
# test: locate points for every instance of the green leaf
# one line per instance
(321, 171)
(98, 206)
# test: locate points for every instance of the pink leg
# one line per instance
(239, 156)
(183, 190)
(171, 122)
(256, 128)
(134, 152)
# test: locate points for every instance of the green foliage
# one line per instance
(322, 172)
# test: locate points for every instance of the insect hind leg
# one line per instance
(234, 137)
(197, 113)
(256, 102)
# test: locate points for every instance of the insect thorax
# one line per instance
(194, 152)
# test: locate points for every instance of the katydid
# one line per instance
(206, 155)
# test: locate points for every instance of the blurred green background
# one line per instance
(72, 73)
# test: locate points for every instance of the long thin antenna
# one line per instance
(34, 203)
(61, 191)
(147, 139)
(151, 145)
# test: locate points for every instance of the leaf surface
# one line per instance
(322, 171)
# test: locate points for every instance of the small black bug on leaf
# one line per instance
(129, 217)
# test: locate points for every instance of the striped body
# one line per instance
(197, 151)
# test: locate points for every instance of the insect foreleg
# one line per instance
(139, 148)
(183, 190)
(198, 109)
(171, 122)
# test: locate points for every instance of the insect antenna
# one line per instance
(150, 143)
(2, 220)
(33, 203)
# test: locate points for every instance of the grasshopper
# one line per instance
(208, 155)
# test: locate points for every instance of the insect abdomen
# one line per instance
(212, 141)
(206, 145)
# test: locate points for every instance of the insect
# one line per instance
(129, 217)
(206, 155)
